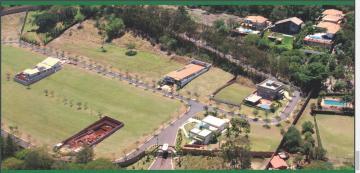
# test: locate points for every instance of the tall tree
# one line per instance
(292, 140)
(236, 151)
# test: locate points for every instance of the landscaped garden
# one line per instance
(285, 43)
(238, 91)
(60, 105)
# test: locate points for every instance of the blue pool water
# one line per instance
(264, 106)
(338, 103)
(315, 36)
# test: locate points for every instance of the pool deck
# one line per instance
(335, 107)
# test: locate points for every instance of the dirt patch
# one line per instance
(203, 17)
(11, 25)
(88, 33)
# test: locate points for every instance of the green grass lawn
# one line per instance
(49, 121)
(263, 139)
(235, 93)
(286, 43)
(207, 83)
(337, 136)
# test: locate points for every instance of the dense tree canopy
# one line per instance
(292, 140)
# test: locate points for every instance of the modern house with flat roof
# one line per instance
(183, 76)
(288, 26)
(270, 89)
(43, 69)
(206, 128)
(217, 124)
(202, 136)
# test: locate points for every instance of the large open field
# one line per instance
(336, 134)
(49, 120)
(148, 63)
(337, 137)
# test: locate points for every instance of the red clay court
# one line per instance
(92, 134)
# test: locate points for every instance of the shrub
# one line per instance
(12, 164)
(131, 52)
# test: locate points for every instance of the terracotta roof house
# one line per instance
(333, 12)
(278, 163)
(256, 22)
(332, 18)
(288, 26)
(184, 75)
(331, 28)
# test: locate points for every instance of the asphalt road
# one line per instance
(162, 164)
(168, 134)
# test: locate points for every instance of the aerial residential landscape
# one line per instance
(178, 87)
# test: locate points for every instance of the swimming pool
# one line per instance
(337, 103)
(264, 106)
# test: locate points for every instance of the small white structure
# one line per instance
(203, 136)
(165, 147)
(253, 99)
(216, 124)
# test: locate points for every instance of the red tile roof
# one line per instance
(278, 163)
(330, 27)
(332, 12)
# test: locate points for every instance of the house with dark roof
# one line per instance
(288, 26)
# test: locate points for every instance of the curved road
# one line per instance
(168, 134)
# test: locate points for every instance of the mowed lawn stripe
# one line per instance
(49, 121)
